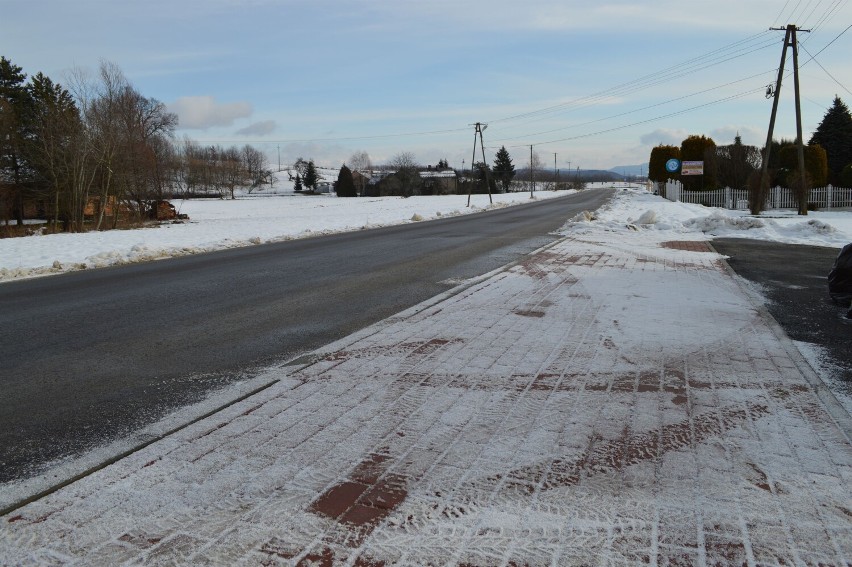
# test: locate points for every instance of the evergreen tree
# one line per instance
(345, 186)
(846, 176)
(834, 134)
(657, 163)
(14, 104)
(736, 163)
(311, 177)
(503, 168)
(699, 148)
(443, 164)
(53, 143)
(297, 186)
(816, 164)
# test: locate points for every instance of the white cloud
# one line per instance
(203, 112)
(664, 136)
(750, 135)
(257, 129)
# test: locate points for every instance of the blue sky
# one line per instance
(596, 83)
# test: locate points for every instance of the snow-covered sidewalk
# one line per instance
(616, 398)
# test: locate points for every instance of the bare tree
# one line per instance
(534, 164)
(86, 162)
(233, 173)
(146, 129)
(406, 171)
(256, 165)
(301, 167)
(360, 162)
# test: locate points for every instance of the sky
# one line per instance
(594, 85)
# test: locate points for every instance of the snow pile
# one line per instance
(814, 226)
(831, 229)
(648, 217)
(719, 220)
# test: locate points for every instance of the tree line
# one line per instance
(89, 153)
(827, 159)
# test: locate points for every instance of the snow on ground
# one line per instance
(540, 416)
(832, 229)
(651, 219)
(217, 224)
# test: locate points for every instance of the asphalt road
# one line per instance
(92, 356)
(795, 280)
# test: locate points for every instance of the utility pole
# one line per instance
(556, 173)
(479, 128)
(532, 173)
(279, 159)
(759, 198)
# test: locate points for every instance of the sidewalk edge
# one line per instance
(833, 407)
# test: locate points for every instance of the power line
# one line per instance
(804, 9)
(638, 109)
(778, 17)
(654, 119)
(652, 79)
(836, 6)
(824, 69)
(799, 3)
(808, 18)
(712, 58)
(638, 84)
(340, 139)
(826, 45)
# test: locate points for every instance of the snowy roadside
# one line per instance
(645, 211)
(217, 224)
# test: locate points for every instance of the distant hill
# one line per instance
(585, 175)
(631, 170)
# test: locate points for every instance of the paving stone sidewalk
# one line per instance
(611, 400)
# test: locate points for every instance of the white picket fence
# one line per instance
(825, 198)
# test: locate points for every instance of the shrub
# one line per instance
(846, 176)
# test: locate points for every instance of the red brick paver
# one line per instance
(607, 401)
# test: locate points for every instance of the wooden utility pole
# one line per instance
(556, 172)
(803, 201)
(759, 196)
(532, 173)
(479, 128)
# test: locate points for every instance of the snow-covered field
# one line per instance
(216, 224)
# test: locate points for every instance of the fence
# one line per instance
(778, 198)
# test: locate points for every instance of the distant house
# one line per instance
(439, 182)
(361, 179)
(427, 182)
(382, 184)
(323, 187)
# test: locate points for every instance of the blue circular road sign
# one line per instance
(672, 165)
